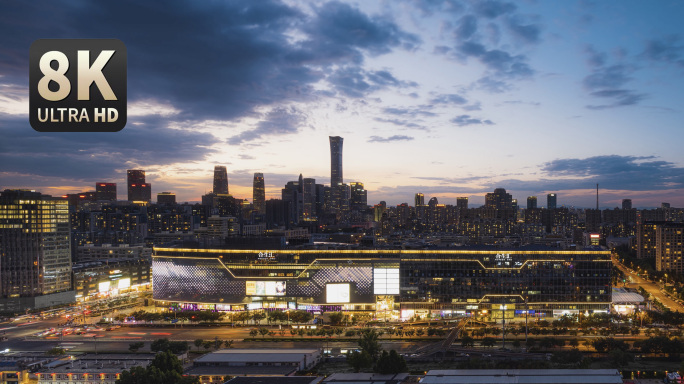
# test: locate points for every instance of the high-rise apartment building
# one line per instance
(626, 203)
(259, 194)
(531, 202)
(462, 202)
(670, 247)
(499, 199)
(646, 239)
(551, 201)
(138, 189)
(105, 191)
(35, 251)
(220, 180)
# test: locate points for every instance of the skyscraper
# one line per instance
(531, 202)
(499, 199)
(336, 161)
(359, 196)
(419, 199)
(220, 180)
(105, 191)
(462, 202)
(259, 193)
(626, 203)
(551, 201)
(138, 189)
(35, 267)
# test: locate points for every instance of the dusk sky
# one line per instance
(447, 98)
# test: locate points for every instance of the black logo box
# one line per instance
(114, 71)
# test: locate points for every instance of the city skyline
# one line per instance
(445, 98)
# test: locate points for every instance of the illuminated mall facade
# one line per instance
(398, 284)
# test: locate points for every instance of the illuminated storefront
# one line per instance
(390, 283)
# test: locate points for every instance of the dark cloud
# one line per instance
(464, 120)
(493, 85)
(492, 9)
(279, 121)
(500, 62)
(607, 82)
(528, 33)
(378, 139)
(429, 7)
(210, 60)
(467, 26)
(91, 156)
(356, 82)
(449, 98)
(667, 49)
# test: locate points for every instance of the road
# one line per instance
(636, 281)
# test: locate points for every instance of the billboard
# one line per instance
(386, 281)
(265, 288)
(337, 292)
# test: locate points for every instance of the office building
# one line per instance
(336, 160)
(166, 198)
(419, 200)
(359, 196)
(259, 194)
(531, 202)
(35, 245)
(220, 180)
(551, 201)
(407, 283)
(105, 191)
(138, 189)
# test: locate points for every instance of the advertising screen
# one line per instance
(124, 283)
(386, 281)
(265, 288)
(104, 286)
(337, 293)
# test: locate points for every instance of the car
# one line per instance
(486, 355)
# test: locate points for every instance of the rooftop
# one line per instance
(523, 376)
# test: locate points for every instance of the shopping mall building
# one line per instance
(389, 283)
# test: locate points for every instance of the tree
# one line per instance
(253, 333)
(258, 316)
(218, 343)
(336, 318)
(133, 347)
(516, 343)
(574, 343)
(164, 369)
(488, 342)
(620, 358)
(547, 343)
(263, 332)
(199, 343)
(56, 351)
(391, 363)
(420, 332)
(207, 345)
(467, 341)
(359, 360)
(369, 344)
(228, 343)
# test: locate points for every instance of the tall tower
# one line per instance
(551, 201)
(419, 199)
(335, 161)
(531, 202)
(220, 180)
(138, 189)
(259, 193)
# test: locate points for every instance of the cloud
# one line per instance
(279, 121)
(527, 33)
(667, 49)
(607, 82)
(416, 111)
(500, 62)
(402, 123)
(467, 26)
(464, 120)
(492, 9)
(354, 81)
(97, 156)
(378, 139)
(450, 98)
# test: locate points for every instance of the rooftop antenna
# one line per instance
(597, 197)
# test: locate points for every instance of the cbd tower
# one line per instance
(220, 180)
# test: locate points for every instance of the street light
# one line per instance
(503, 307)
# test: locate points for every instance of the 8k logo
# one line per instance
(77, 85)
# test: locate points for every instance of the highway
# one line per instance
(635, 281)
